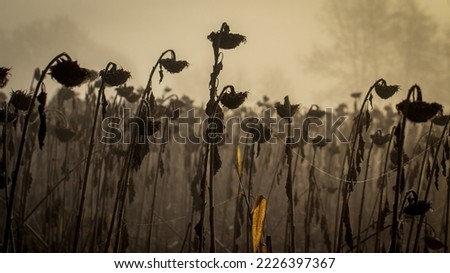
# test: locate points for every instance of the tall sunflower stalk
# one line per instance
(134, 156)
(65, 71)
(221, 39)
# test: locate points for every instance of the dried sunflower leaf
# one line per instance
(258, 216)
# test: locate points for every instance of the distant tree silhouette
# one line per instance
(372, 39)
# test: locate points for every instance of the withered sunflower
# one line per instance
(4, 74)
(417, 208)
(172, 65)
(379, 139)
(286, 110)
(355, 95)
(133, 97)
(385, 91)
(114, 76)
(70, 74)
(225, 39)
(124, 91)
(441, 120)
(21, 100)
(233, 100)
(315, 112)
(419, 111)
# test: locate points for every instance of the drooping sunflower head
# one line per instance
(286, 110)
(70, 74)
(114, 76)
(417, 110)
(124, 91)
(233, 99)
(385, 91)
(315, 112)
(21, 100)
(441, 120)
(379, 139)
(224, 39)
(4, 76)
(172, 65)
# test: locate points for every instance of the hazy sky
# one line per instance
(280, 34)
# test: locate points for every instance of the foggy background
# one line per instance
(314, 51)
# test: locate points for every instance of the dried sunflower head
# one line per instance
(286, 110)
(233, 100)
(114, 76)
(441, 120)
(226, 40)
(417, 208)
(21, 100)
(124, 91)
(385, 91)
(315, 112)
(64, 134)
(70, 74)
(4, 74)
(355, 95)
(172, 65)
(419, 111)
(133, 97)
(379, 139)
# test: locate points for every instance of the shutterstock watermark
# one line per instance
(191, 127)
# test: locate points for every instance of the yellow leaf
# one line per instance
(258, 215)
(239, 165)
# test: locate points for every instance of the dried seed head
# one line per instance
(4, 74)
(225, 39)
(11, 116)
(394, 157)
(379, 139)
(385, 91)
(286, 110)
(315, 112)
(419, 111)
(133, 97)
(64, 134)
(172, 65)
(21, 100)
(233, 100)
(124, 91)
(114, 76)
(417, 208)
(441, 120)
(70, 74)
(356, 95)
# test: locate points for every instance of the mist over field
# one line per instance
(225, 126)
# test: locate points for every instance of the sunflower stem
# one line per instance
(88, 164)
(15, 173)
